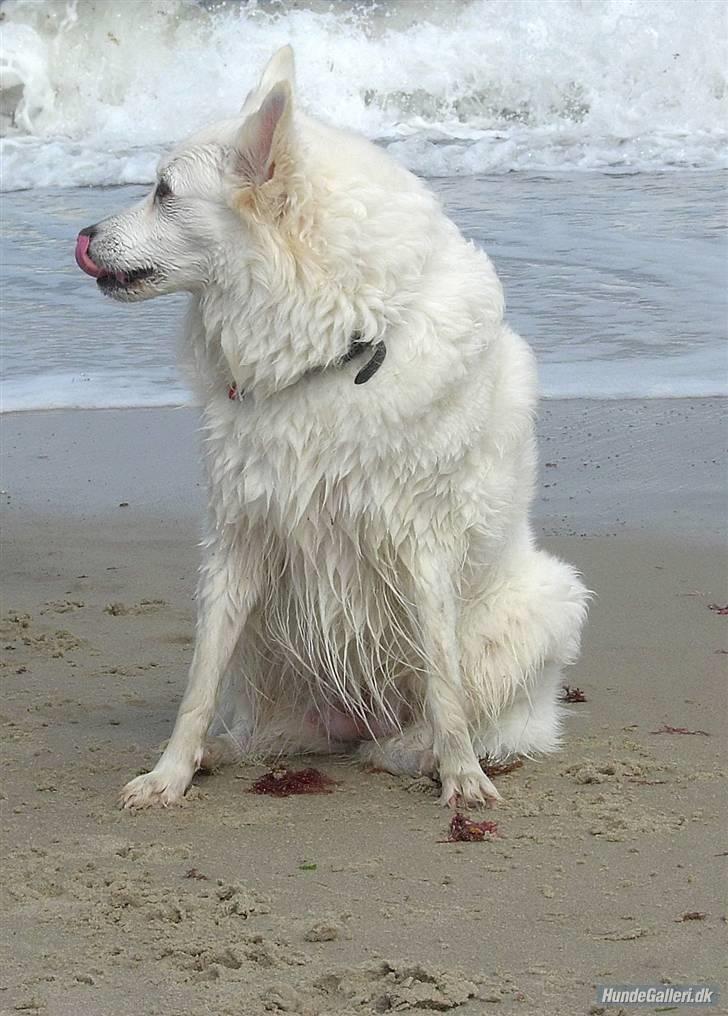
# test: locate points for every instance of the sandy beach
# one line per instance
(608, 865)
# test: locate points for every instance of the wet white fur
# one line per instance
(368, 548)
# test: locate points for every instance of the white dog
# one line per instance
(370, 578)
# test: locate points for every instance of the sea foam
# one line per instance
(91, 94)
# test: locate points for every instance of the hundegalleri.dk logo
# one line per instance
(657, 994)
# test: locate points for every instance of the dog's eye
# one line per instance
(163, 191)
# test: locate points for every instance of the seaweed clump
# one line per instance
(464, 830)
(287, 782)
(491, 767)
(572, 694)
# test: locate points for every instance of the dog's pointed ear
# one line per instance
(280, 67)
(264, 137)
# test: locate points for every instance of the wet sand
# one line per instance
(352, 903)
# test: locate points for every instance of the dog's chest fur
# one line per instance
(335, 511)
(341, 488)
(335, 494)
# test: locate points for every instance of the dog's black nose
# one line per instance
(89, 231)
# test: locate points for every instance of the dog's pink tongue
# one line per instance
(83, 260)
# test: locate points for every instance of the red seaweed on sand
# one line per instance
(491, 767)
(464, 830)
(572, 694)
(286, 782)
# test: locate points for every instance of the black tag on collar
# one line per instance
(374, 363)
(370, 369)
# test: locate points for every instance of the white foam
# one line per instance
(121, 389)
(92, 93)
(127, 389)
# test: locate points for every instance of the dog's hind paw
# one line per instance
(406, 754)
(163, 786)
(221, 750)
(466, 788)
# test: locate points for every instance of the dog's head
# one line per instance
(173, 239)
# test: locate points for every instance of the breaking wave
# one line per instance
(92, 91)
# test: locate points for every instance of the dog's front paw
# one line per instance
(164, 785)
(467, 787)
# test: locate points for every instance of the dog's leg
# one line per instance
(515, 643)
(463, 781)
(227, 592)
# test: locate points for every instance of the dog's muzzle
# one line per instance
(108, 279)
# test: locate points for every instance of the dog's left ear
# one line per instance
(263, 142)
(280, 67)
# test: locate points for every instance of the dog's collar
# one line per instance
(356, 348)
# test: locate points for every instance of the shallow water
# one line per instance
(523, 113)
(619, 282)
